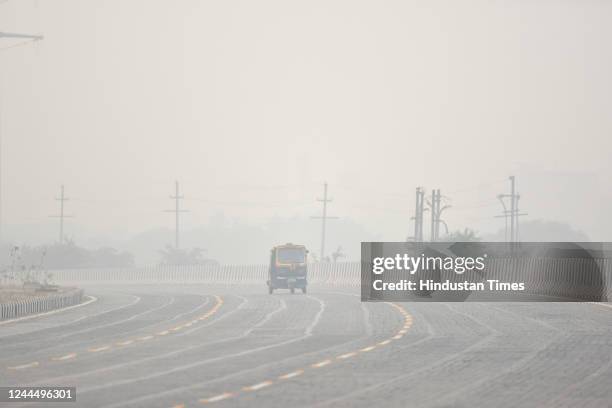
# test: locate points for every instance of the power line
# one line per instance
(324, 217)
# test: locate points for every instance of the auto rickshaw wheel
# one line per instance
(304, 290)
(270, 290)
(292, 291)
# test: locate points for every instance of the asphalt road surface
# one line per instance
(192, 345)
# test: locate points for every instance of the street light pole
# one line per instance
(32, 37)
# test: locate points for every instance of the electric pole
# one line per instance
(436, 212)
(324, 217)
(177, 210)
(418, 214)
(62, 199)
(513, 213)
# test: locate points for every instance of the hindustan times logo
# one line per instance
(413, 264)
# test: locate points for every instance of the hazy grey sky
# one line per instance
(253, 104)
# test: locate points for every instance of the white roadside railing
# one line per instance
(40, 304)
(587, 279)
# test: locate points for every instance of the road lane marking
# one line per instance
(119, 343)
(347, 355)
(66, 357)
(145, 338)
(258, 386)
(216, 398)
(321, 364)
(399, 335)
(24, 366)
(602, 304)
(291, 375)
(97, 349)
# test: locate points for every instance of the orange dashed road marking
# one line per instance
(24, 366)
(321, 364)
(216, 398)
(258, 386)
(96, 349)
(66, 357)
(291, 375)
(145, 338)
(127, 342)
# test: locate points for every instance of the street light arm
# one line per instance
(17, 35)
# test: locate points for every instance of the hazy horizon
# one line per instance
(252, 113)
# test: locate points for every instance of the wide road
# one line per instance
(190, 345)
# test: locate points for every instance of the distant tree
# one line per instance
(175, 256)
(543, 231)
(467, 235)
(69, 255)
(337, 254)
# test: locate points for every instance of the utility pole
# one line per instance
(324, 217)
(177, 210)
(436, 212)
(62, 199)
(514, 212)
(433, 205)
(418, 214)
(30, 37)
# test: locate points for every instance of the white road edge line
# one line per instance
(602, 304)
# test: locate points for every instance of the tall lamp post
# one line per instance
(28, 38)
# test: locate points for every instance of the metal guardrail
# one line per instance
(42, 304)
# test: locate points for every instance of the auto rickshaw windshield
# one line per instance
(290, 255)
